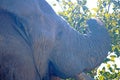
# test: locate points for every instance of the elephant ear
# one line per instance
(20, 28)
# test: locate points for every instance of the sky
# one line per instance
(90, 4)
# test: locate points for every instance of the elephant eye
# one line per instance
(59, 35)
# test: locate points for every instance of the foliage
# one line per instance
(109, 71)
(76, 13)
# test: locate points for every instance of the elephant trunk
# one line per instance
(97, 44)
(75, 53)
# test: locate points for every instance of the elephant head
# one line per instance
(74, 53)
(46, 43)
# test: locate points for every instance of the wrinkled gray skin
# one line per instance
(35, 43)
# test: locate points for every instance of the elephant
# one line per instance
(36, 43)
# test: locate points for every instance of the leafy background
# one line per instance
(76, 13)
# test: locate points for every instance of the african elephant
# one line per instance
(36, 43)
